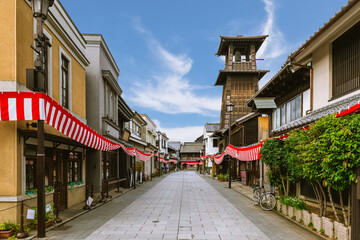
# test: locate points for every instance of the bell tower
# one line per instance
(240, 76)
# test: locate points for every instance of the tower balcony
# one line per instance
(238, 66)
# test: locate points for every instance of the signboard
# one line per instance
(30, 214)
(89, 201)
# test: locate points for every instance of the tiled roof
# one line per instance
(174, 144)
(317, 114)
(212, 127)
(191, 147)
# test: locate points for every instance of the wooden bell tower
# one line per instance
(240, 76)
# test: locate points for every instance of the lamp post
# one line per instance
(230, 108)
(151, 165)
(40, 10)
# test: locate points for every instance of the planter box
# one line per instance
(284, 209)
(328, 226)
(341, 232)
(47, 224)
(6, 234)
(317, 221)
(298, 215)
(291, 211)
(306, 217)
(278, 205)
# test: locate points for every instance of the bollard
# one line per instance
(22, 233)
(107, 189)
(57, 219)
(118, 187)
(103, 199)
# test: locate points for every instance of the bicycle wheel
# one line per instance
(256, 194)
(267, 201)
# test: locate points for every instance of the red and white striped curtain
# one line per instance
(19, 106)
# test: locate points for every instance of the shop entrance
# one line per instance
(60, 172)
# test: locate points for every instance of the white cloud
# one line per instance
(275, 44)
(182, 134)
(169, 90)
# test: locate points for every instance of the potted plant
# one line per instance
(49, 219)
(7, 229)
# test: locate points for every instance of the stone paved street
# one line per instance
(183, 205)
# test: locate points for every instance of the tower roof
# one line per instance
(221, 79)
(225, 41)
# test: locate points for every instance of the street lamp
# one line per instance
(40, 10)
(230, 108)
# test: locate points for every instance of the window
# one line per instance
(283, 114)
(288, 112)
(74, 167)
(30, 156)
(110, 101)
(346, 61)
(110, 169)
(64, 82)
(30, 173)
(215, 143)
(278, 117)
(136, 130)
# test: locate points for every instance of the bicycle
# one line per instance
(266, 200)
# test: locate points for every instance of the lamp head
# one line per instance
(230, 107)
(40, 8)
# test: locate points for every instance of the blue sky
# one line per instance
(165, 49)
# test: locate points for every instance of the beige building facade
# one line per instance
(65, 158)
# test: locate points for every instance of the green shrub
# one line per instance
(322, 231)
(310, 224)
(6, 226)
(293, 201)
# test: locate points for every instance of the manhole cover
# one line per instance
(62, 228)
(155, 221)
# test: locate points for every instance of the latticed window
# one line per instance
(346, 61)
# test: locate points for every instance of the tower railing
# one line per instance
(248, 65)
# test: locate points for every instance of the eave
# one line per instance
(221, 79)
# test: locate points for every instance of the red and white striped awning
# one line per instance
(219, 159)
(243, 154)
(249, 153)
(18, 106)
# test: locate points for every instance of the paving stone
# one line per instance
(182, 205)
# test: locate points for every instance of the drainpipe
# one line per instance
(311, 90)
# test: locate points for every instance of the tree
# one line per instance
(273, 155)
